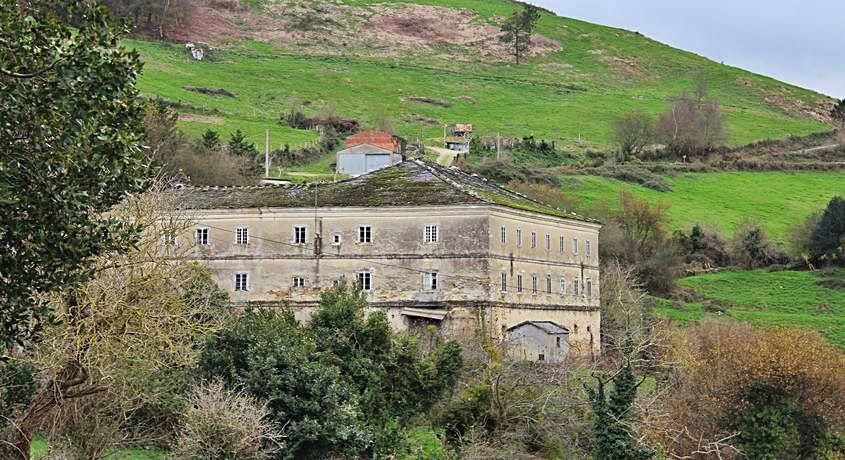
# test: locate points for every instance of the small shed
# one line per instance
(381, 139)
(541, 341)
(363, 158)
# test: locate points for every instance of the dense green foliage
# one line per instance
(338, 385)
(71, 129)
(828, 240)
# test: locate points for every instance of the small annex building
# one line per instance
(541, 341)
(368, 151)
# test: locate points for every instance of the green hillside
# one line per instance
(433, 62)
(721, 201)
(788, 298)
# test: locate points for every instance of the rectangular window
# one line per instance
(299, 235)
(548, 242)
(241, 282)
(241, 235)
(202, 236)
(575, 288)
(557, 342)
(365, 234)
(335, 238)
(518, 237)
(169, 238)
(589, 289)
(587, 247)
(365, 281)
(534, 287)
(518, 283)
(563, 286)
(548, 284)
(575, 245)
(504, 282)
(431, 234)
(561, 242)
(504, 235)
(298, 282)
(533, 239)
(430, 281)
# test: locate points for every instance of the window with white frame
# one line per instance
(519, 283)
(365, 234)
(575, 245)
(504, 282)
(587, 247)
(548, 242)
(203, 237)
(518, 237)
(169, 238)
(589, 289)
(548, 284)
(336, 238)
(563, 286)
(298, 282)
(534, 287)
(431, 234)
(365, 281)
(241, 281)
(241, 235)
(430, 281)
(504, 235)
(575, 288)
(533, 239)
(299, 234)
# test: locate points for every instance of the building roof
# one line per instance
(409, 183)
(376, 138)
(365, 149)
(548, 327)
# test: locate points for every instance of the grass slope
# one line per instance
(787, 298)
(571, 95)
(721, 200)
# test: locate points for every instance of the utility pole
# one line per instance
(267, 152)
(498, 146)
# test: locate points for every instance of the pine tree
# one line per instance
(614, 436)
(238, 145)
(210, 139)
(518, 28)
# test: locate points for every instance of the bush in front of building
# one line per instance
(338, 385)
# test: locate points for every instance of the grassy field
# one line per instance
(721, 200)
(571, 95)
(787, 298)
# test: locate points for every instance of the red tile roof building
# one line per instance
(381, 139)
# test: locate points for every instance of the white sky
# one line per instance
(800, 42)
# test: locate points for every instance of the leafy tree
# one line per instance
(632, 133)
(838, 113)
(517, 30)
(614, 412)
(238, 145)
(71, 132)
(828, 241)
(210, 139)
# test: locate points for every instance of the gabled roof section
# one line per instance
(409, 183)
(548, 327)
(365, 149)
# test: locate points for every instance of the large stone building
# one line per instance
(429, 244)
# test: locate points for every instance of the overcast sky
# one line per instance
(800, 42)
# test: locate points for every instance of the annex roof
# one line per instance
(409, 183)
(548, 327)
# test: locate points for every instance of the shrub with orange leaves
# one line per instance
(725, 367)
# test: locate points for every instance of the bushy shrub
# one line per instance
(504, 171)
(703, 249)
(228, 425)
(751, 247)
(17, 388)
(828, 240)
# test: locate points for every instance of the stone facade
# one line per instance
(479, 265)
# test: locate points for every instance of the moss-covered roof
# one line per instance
(410, 183)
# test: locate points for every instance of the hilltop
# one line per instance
(425, 63)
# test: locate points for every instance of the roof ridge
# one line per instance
(452, 183)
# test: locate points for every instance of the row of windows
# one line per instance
(548, 288)
(364, 279)
(431, 234)
(547, 241)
